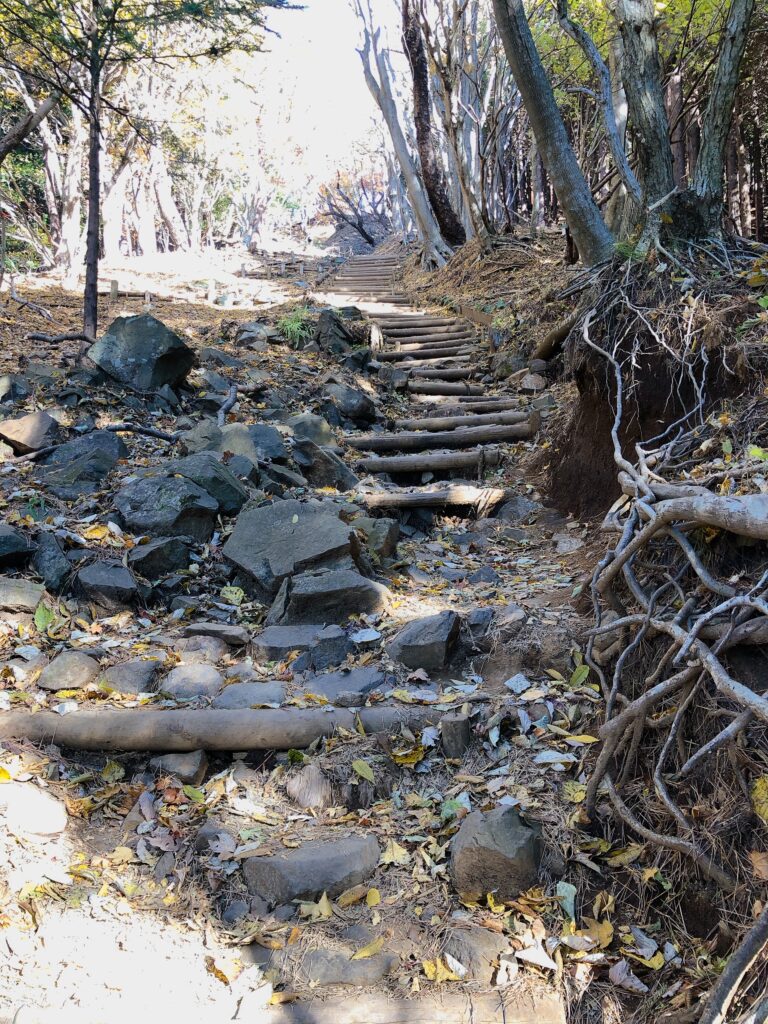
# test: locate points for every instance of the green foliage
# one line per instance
(296, 326)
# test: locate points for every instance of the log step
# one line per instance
(446, 373)
(421, 440)
(426, 353)
(429, 387)
(431, 462)
(452, 422)
(436, 332)
(463, 495)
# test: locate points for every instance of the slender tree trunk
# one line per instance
(113, 214)
(434, 179)
(732, 179)
(26, 125)
(146, 231)
(169, 211)
(587, 225)
(674, 102)
(91, 295)
(708, 175)
(745, 208)
(70, 203)
(645, 96)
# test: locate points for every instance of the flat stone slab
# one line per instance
(323, 967)
(253, 440)
(30, 433)
(167, 507)
(360, 681)
(331, 596)
(210, 473)
(109, 585)
(249, 695)
(196, 680)
(138, 675)
(312, 869)
(235, 636)
(19, 595)
(278, 540)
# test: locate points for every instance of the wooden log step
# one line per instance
(437, 332)
(431, 462)
(451, 422)
(442, 345)
(426, 340)
(425, 353)
(463, 495)
(446, 373)
(421, 440)
(483, 406)
(436, 387)
(407, 320)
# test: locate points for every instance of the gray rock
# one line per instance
(353, 404)
(196, 680)
(71, 670)
(218, 357)
(30, 433)
(323, 467)
(167, 507)
(189, 767)
(331, 335)
(326, 967)
(15, 548)
(210, 473)
(159, 557)
(83, 475)
(109, 585)
(51, 563)
(478, 950)
(518, 509)
(330, 596)
(255, 441)
(310, 788)
(312, 869)
(311, 427)
(249, 695)
(274, 542)
(142, 352)
(532, 383)
(201, 649)
(13, 388)
(323, 646)
(27, 809)
(19, 595)
(112, 447)
(426, 643)
(234, 636)
(359, 681)
(485, 574)
(495, 852)
(235, 911)
(381, 535)
(135, 676)
(479, 622)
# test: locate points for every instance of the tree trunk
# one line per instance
(645, 96)
(436, 252)
(70, 203)
(169, 211)
(434, 179)
(146, 231)
(674, 103)
(708, 176)
(537, 188)
(113, 214)
(26, 125)
(592, 236)
(745, 208)
(91, 295)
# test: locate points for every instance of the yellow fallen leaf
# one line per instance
(96, 532)
(655, 962)
(758, 858)
(394, 853)
(406, 757)
(352, 896)
(370, 950)
(5, 775)
(122, 855)
(625, 855)
(581, 741)
(600, 932)
(574, 792)
(437, 971)
(759, 793)
(320, 911)
(373, 898)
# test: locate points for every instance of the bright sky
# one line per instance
(315, 68)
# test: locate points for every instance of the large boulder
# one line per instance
(210, 473)
(311, 426)
(167, 507)
(331, 335)
(353, 404)
(312, 869)
(275, 541)
(330, 595)
(142, 352)
(256, 441)
(495, 852)
(426, 643)
(322, 467)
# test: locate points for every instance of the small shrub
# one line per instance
(296, 326)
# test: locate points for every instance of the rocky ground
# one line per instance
(185, 532)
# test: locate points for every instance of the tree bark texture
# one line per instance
(91, 295)
(26, 125)
(586, 223)
(432, 172)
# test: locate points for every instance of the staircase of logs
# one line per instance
(457, 425)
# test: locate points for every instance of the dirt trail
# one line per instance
(180, 906)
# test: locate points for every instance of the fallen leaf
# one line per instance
(758, 858)
(5, 775)
(364, 770)
(373, 898)
(537, 956)
(622, 977)
(394, 853)
(438, 971)
(352, 896)
(601, 932)
(574, 792)
(759, 793)
(371, 949)
(625, 855)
